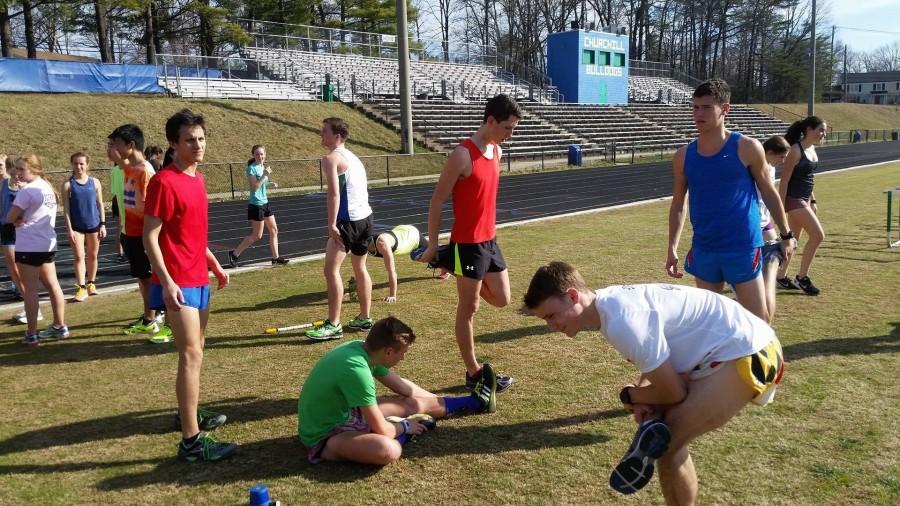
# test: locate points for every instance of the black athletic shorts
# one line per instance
(86, 230)
(355, 235)
(258, 213)
(115, 207)
(137, 257)
(35, 259)
(8, 234)
(474, 260)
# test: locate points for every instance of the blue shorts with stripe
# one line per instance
(731, 267)
(196, 297)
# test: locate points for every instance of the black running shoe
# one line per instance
(503, 382)
(486, 388)
(205, 448)
(635, 469)
(206, 420)
(806, 285)
(280, 261)
(787, 283)
(232, 259)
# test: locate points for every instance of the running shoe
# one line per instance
(806, 285)
(206, 419)
(635, 469)
(54, 332)
(360, 323)
(280, 261)
(503, 382)
(787, 283)
(325, 331)
(423, 418)
(32, 340)
(139, 326)
(232, 259)
(486, 388)
(22, 318)
(205, 448)
(160, 316)
(81, 293)
(91, 288)
(163, 336)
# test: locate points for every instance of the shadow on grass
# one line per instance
(888, 343)
(160, 421)
(509, 335)
(285, 456)
(305, 299)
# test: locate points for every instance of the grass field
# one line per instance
(840, 117)
(89, 420)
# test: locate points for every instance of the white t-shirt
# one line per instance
(764, 215)
(648, 324)
(37, 233)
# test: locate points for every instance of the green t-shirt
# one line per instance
(117, 189)
(259, 196)
(342, 379)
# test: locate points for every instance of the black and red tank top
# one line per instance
(475, 198)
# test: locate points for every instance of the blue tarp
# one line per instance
(45, 76)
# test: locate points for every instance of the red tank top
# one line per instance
(475, 199)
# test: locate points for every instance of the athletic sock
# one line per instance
(403, 438)
(468, 403)
(189, 441)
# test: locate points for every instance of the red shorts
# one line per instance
(791, 203)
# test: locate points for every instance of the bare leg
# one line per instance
(334, 257)
(796, 226)
(770, 271)
(91, 251)
(706, 285)
(78, 257)
(9, 258)
(31, 284)
(405, 406)
(188, 331)
(495, 288)
(256, 233)
(810, 222)
(48, 278)
(467, 290)
(272, 228)
(363, 285)
(752, 295)
(366, 448)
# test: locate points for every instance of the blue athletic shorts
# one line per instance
(715, 267)
(196, 297)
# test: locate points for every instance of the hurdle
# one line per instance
(890, 192)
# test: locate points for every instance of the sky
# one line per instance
(868, 14)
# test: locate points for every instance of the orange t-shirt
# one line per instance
(137, 177)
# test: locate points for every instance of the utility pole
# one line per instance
(406, 133)
(845, 73)
(811, 103)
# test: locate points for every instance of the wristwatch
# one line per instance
(625, 394)
(788, 235)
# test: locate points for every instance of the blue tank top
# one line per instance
(83, 204)
(7, 195)
(722, 199)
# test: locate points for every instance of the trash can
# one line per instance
(575, 154)
(895, 136)
(857, 136)
(328, 92)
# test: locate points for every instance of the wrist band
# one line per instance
(625, 394)
(405, 424)
(813, 201)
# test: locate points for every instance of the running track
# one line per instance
(301, 217)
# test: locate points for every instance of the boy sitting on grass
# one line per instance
(340, 419)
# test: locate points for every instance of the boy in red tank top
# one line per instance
(471, 176)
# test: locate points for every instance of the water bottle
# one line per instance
(259, 496)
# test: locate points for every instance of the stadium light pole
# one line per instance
(406, 133)
(811, 105)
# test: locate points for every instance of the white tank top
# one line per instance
(354, 192)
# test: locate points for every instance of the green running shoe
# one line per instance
(163, 336)
(361, 323)
(205, 448)
(326, 331)
(206, 419)
(138, 327)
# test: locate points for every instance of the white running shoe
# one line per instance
(21, 318)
